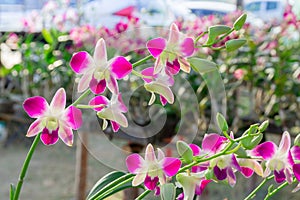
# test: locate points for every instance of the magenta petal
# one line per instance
(187, 47)
(156, 46)
(134, 163)
(231, 177)
(279, 176)
(97, 87)
(99, 100)
(80, 61)
(35, 106)
(201, 186)
(73, 117)
(235, 163)
(247, 172)
(113, 85)
(173, 67)
(265, 150)
(221, 174)
(295, 150)
(49, 138)
(296, 170)
(171, 166)
(151, 183)
(163, 100)
(66, 135)
(211, 142)
(196, 149)
(120, 67)
(115, 126)
(148, 72)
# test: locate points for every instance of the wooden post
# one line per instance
(81, 167)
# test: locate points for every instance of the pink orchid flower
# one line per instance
(152, 170)
(192, 184)
(171, 55)
(295, 151)
(278, 159)
(98, 72)
(110, 110)
(54, 121)
(158, 83)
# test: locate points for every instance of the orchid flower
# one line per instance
(158, 83)
(110, 110)
(152, 170)
(295, 151)
(171, 55)
(278, 159)
(98, 72)
(54, 121)
(192, 183)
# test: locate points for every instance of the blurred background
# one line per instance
(38, 38)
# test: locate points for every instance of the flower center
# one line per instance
(51, 123)
(276, 164)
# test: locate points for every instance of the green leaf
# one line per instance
(168, 191)
(239, 23)
(222, 122)
(12, 191)
(234, 44)
(215, 31)
(185, 151)
(47, 36)
(100, 189)
(202, 65)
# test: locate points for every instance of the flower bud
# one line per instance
(263, 126)
(222, 122)
(185, 151)
(251, 141)
(238, 24)
(215, 31)
(234, 44)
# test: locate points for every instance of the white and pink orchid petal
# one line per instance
(134, 162)
(289, 175)
(196, 149)
(100, 55)
(66, 135)
(120, 67)
(122, 107)
(285, 143)
(163, 100)
(174, 34)
(184, 65)
(234, 163)
(115, 126)
(279, 176)
(73, 117)
(159, 65)
(188, 184)
(247, 172)
(84, 82)
(150, 154)
(49, 138)
(99, 101)
(267, 172)
(156, 46)
(296, 170)
(139, 179)
(81, 62)
(187, 47)
(148, 72)
(171, 166)
(265, 150)
(58, 102)
(97, 87)
(161, 89)
(160, 155)
(113, 115)
(212, 142)
(297, 188)
(200, 187)
(112, 85)
(295, 150)
(35, 106)
(173, 67)
(231, 177)
(35, 128)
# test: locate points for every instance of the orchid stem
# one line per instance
(270, 194)
(252, 194)
(25, 167)
(141, 61)
(145, 193)
(85, 94)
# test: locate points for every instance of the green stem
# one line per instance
(141, 75)
(145, 193)
(200, 36)
(25, 167)
(141, 61)
(277, 190)
(85, 94)
(252, 194)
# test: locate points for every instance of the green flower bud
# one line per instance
(185, 151)
(222, 122)
(297, 140)
(239, 23)
(251, 141)
(215, 31)
(263, 126)
(234, 44)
